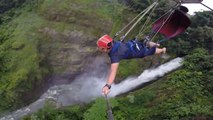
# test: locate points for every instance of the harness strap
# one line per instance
(135, 48)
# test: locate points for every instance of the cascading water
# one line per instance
(147, 76)
(87, 87)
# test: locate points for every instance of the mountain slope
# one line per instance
(48, 42)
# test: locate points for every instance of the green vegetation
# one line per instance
(93, 111)
(98, 110)
(198, 35)
(184, 94)
(20, 69)
(50, 112)
(31, 36)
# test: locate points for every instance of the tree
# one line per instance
(202, 19)
(8, 4)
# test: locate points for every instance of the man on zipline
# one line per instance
(124, 50)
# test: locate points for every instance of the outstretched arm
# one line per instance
(111, 77)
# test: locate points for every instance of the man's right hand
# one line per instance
(105, 90)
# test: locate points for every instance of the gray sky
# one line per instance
(198, 7)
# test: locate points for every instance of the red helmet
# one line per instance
(105, 42)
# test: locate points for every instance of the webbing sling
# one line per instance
(135, 47)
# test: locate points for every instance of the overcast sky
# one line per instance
(198, 7)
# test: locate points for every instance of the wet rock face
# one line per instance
(71, 34)
(67, 55)
(67, 40)
(68, 51)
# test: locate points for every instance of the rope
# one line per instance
(142, 14)
(161, 16)
(146, 22)
(162, 25)
(171, 12)
(109, 109)
(148, 9)
(129, 23)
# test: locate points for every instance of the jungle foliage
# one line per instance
(27, 45)
(22, 66)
